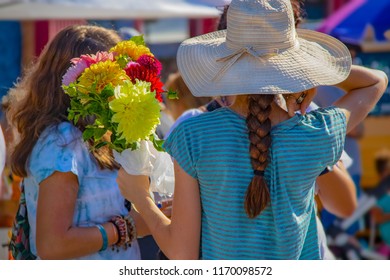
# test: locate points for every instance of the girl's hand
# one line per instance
(133, 187)
(166, 207)
(299, 101)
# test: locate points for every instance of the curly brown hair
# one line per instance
(38, 101)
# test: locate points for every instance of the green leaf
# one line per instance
(70, 90)
(98, 133)
(122, 61)
(106, 118)
(88, 133)
(75, 104)
(93, 108)
(70, 115)
(107, 92)
(134, 146)
(101, 144)
(76, 119)
(157, 143)
(97, 123)
(138, 40)
(172, 94)
(120, 143)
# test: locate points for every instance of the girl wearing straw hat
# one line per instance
(244, 174)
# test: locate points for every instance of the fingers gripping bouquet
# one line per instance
(120, 91)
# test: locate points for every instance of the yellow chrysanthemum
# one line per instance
(136, 111)
(131, 49)
(100, 75)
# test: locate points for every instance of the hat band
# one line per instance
(236, 55)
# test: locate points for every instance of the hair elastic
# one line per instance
(259, 172)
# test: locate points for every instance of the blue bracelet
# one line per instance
(104, 236)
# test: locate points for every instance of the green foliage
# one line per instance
(172, 94)
(157, 143)
(122, 60)
(138, 40)
(88, 133)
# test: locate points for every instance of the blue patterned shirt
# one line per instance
(61, 148)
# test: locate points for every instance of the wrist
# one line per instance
(142, 199)
(126, 230)
(112, 233)
(144, 203)
(104, 237)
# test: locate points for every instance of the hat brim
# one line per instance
(319, 60)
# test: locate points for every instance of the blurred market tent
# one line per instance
(27, 25)
(364, 23)
(103, 9)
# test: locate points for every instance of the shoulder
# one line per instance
(202, 128)
(61, 134)
(207, 122)
(219, 117)
(57, 138)
(59, 148)
(327, 115)
(186, 115)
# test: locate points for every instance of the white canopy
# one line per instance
(212, 3)
(103, 9)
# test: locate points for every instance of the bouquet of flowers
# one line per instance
(120, 91)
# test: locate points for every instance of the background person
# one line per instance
(326, 97)
(380, 214)
(185, 99)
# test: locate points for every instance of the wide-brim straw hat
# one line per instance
(261, 52)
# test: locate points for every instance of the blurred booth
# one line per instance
(364, 25)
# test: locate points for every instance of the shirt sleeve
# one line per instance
(333, 124)
(56, 150)
(181, 148)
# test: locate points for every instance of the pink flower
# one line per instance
(103, 56)
(83, 62)
(150, 63)
(74, 72)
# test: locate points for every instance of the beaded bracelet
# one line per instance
(126, 230)
(131, 229)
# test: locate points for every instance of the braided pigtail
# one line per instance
(259, 127)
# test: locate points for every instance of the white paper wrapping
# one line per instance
(149, 162)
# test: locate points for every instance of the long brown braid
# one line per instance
(259, 127)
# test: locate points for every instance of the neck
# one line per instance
(277, 115)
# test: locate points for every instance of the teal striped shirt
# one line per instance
(214, 148)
